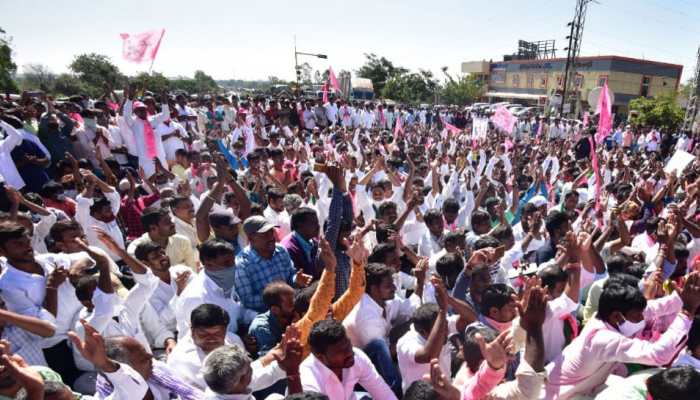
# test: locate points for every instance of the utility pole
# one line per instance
(573, 50)
(297, 68)
(691, 110)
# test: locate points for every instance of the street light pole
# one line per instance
(297, 69)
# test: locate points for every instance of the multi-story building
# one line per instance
(537, 82)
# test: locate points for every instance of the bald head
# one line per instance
(127, 350)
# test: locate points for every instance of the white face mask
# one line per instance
(629, 329)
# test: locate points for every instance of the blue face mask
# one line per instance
(224, 278)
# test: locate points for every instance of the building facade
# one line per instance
(538, 82)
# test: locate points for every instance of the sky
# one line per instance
(252, 39)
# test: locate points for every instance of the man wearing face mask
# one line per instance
(609, 338)
(148, 143)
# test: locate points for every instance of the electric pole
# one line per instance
(691, 110)
(573, 51)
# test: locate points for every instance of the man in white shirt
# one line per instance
(172, 134)
(149, 144)
(158, 315)
(99, 212)
(276, 214)
(431, 241)
(159, 228)
(32, 285)
(426, 341)
(213, 284)
(8, 169)
(335, 367)
(370, 321)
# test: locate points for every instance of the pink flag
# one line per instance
(450, 127)
(398, 128)
(585, 119)
(504, 120)
(325, 93)
(333, 79)
(605, 110)
(141, 47)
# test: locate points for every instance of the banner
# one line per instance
(142, 46)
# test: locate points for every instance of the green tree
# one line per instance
(94, 70)
(660, 111)
(204, 82)
(7, 66)
(154, 82)
(379, 70)
(461, 91)
(415, 87)
(69, 85)
(37, 77)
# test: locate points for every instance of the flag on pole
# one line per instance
(605, 115)
(334, 80)
(141, 47)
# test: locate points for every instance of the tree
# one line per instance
(69, 85)
(7, 67)
(204, 82)
(660, 111)
(463, 90)
(154, 82)
(94, 70)
(415, 87)
(379, 70)
(37, 77)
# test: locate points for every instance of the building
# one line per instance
(538, 82)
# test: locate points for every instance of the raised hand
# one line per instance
(441, 383)
(92, 348)
(327, 255)
(25, 375)
(56, 278)
(533, 308)
(691, 293)
(441, 295)
(107, 240)
(496, 352)
(302, 280)
(357, 251)
(292, 350)
(181, 280)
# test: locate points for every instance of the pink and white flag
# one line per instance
(451, 128)
(142, 46)
(605, 116)
(504, 120)
(334, 80)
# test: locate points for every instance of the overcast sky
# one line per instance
(254, 39)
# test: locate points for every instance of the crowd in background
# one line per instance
(163, 246)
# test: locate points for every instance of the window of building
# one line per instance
(578, 81)
(530, 81)
(646, 82)
(516, 80)
(543, 81)
(602, 79)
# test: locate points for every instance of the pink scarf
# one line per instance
(150, 140)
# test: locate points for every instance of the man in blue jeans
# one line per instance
(377, 312)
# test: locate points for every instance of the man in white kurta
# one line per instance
(135, 123)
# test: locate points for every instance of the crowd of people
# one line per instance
(214, 247)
